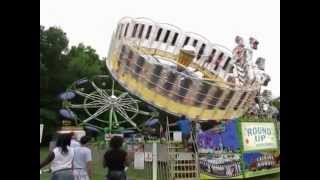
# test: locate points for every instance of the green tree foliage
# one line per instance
(49, 119)
(53, 46)
(83, 62)
(59, 67)
(276, 103)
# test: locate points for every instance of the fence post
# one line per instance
(41, 132)
(154, 161)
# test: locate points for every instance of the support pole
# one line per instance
(115, 119)
(154, 161)
(110, 120)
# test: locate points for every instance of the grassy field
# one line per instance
(99, 172)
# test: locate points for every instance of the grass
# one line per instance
(99, 172)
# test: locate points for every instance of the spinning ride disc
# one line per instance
(105, 107)
(154, 61)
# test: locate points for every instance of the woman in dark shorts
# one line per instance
(115, 159)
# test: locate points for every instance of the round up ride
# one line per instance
(183, 73)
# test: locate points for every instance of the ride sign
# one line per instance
(148, 156)
(138, 160)
(258, 136)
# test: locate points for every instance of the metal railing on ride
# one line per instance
(183, 165)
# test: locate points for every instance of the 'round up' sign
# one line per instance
(258, 136)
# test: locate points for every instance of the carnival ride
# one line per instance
(183, 72)
(178, 72)
(102, 104)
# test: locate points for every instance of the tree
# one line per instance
(276, 103)
(83, 62)
(49, 119)
(53, 47)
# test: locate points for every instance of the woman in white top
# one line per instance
(82, 163)
(61, 158)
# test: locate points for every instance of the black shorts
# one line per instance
(116, 175)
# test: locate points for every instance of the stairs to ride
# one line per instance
(184, 165)
(176, 147)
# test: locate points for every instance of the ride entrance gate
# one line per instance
(151, 161)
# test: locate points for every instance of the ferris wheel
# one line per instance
(101, 105)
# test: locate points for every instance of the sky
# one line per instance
(92, 22)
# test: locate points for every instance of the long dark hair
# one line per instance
(63, 142)
(116, 142)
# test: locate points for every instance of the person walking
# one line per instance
(61, 158)
(116, 159)
(82, 163)
(74, 143)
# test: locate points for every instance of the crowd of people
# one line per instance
(72, 160)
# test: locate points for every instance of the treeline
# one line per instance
(59, 67)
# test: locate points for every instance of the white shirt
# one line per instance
(74, 143)
(62, 161)
(82, 155)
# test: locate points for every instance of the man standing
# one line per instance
(82, 162)
(184, 125)
(74, 143)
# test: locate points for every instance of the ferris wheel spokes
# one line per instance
(89, 96)
(105, 108)
(131, 109)
(97, 113)
(128, 102)
(123, 113)
(122, 96)
(87, 105)
(100, 91)
(89, 124)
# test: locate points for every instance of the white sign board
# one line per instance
(177, 136)
(41, 131)
(258, 136)
(139, 160)
(184, 156)
(148, 156)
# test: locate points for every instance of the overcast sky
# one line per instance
(92, 22)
